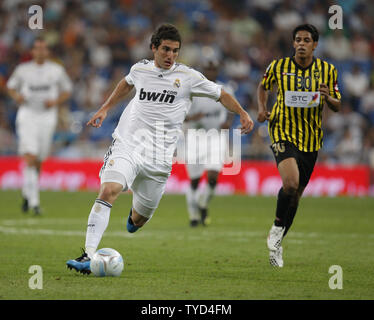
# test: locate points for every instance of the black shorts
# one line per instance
(305, 160)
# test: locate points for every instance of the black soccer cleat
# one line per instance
(194, 223)
(205, 220)
(37, 211)
(25, 205)
(80, 264)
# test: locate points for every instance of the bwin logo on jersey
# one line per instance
(165, 96)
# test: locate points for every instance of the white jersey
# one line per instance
(215, 113)
(38, 83)
(150, 125)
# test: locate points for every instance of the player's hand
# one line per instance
(246, 122)
(50, 103)
(20, 99)
(97, 119)
(324, 89)
(263, 116)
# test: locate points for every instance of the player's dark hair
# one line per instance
(306, 27)
(165, 31)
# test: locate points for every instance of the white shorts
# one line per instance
(35, 132)
(205, 154)
(146, 183)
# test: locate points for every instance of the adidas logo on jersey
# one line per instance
(166, 96)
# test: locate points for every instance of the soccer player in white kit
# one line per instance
(206, 147)
(140, 157)
(38, 87)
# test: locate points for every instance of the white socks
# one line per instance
(193, 210)
(97, 223)
(30, 188)
(206, 196)
(195, 199)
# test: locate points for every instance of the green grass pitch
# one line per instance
(167, 259)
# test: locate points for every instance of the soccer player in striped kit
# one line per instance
(305, 85)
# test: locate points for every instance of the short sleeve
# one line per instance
(202, 87)
(269, 78)
(130, 78)
(333, 83)
(133, 74)
(15, 80)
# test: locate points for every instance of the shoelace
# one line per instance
(82, 257)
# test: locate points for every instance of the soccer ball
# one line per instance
(106, 262)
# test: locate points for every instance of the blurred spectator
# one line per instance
(360, 48)
(317, 17)
(356, 83)
(337, 46)
(367, 103)
(287, 17)
(349, 148)
(98, 41)
(258, 148)
(368, 155)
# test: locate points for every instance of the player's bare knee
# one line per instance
(109, 192)
(31, 160)
(290, 186)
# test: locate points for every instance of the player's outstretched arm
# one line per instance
(119, 93)
(262, 99)
(231, 104)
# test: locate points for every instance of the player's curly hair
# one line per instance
(307, 27)
(165, 31)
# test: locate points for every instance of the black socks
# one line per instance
(286, 210)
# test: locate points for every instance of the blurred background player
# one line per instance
(305, 85)
(207, 151)
(38, 87)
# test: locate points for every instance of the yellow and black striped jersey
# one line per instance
(297, 114)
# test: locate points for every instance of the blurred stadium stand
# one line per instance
(98, 41)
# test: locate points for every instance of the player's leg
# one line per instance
(207, 194)
(288, 194)
(98, 218)
(114, 174)
(195, 171)
(42, 133)
(306, 162)
(289, 173)
(285, 156)
(191, 199)
(28, 148)
(30, 189)
(292, 209)
(215, 155)
(147, 193)
(98, 221)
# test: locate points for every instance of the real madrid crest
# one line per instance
(177, 83)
